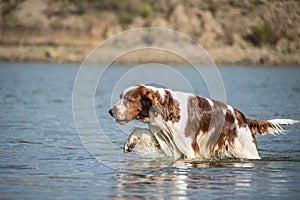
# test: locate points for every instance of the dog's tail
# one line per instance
(269, 126)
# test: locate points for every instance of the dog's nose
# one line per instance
(111, 112)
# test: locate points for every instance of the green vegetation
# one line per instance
(261, 34)
(9, 7)
(145, 10)
(257, 2)
(69, 1)
(125, 19)
(53, 44)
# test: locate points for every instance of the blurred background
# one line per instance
(43, 42)
(245, 32)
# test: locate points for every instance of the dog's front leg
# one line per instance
(140, 139)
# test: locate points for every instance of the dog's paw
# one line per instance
(140, 141)
(131, 142)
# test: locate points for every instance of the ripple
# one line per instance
(42, 157)
(17, 167)
(21, 141)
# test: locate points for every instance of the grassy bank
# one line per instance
(256, 32)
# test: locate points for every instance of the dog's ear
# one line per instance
(146, 100)
(171, 107)
(146, 104)
(150, 102)
(166, 106)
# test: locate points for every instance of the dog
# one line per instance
(183, 125)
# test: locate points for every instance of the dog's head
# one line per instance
(138, 102)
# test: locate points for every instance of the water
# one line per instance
(43, 157)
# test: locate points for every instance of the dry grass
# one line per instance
(218, 25)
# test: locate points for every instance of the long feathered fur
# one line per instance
(269, 126)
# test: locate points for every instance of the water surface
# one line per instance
(43, 157)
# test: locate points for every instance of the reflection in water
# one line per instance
(211, 163)
(146, 178)
(149, 178)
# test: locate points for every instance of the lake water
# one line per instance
(42, 156)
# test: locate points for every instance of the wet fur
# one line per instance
(185, 125)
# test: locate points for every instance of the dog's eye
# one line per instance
(126, 99)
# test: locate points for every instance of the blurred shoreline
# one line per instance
(75, 54)
(256, 32)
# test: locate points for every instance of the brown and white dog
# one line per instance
(187, 126)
